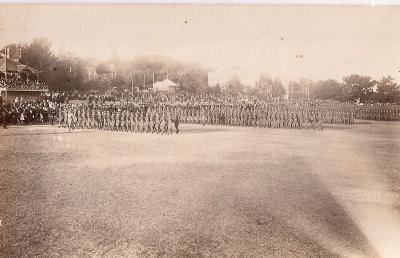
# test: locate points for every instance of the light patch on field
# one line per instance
(381, 224)
(367, 197)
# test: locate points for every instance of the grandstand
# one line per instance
(19, 81)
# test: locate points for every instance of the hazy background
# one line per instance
(290, 42)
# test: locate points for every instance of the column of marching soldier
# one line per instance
(163, 119)
(267, 116)
(118, 119)
(288, 115)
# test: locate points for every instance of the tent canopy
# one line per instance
(165, 85)
(10, 65)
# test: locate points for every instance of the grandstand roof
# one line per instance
(10, 65)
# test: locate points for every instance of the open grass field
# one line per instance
(212, 191)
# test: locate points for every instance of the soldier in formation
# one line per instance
(115, 119)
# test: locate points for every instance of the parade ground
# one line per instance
(209, 191)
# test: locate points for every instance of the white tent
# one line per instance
(166, 86)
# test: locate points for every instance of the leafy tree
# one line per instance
(388, 91)
(78, 73)
(270, 88)
(358, 87)
(38, 55)
(119, 83)
(148, 64)
(264, 83)
(68, 73)
(327, 89)
(278, 90)
(93, 84)
(193, 80)
(103, 68)
(62, 76)
(234, 86)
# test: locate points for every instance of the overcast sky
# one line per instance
(287, 42)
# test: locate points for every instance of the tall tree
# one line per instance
(358, 87)
(120, 83)
(38, 55)
(264, 83)
(103, 68)
(233, 85)
(388, 90)
(193, 80)
(327, 89)
(278, 90)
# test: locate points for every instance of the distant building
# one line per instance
(299, 90)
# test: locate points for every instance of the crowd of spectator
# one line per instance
(16, 83)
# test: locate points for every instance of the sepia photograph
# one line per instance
(199, 130)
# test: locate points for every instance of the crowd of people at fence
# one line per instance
(159, 113)
(16, 83)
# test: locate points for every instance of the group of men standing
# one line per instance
(249, 116)
(160, 121)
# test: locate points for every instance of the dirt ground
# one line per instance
(212, 191)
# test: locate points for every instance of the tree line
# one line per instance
(68, 72)
(357, 87)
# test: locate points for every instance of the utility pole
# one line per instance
(144, 81)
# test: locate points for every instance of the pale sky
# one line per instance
(246, 40)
